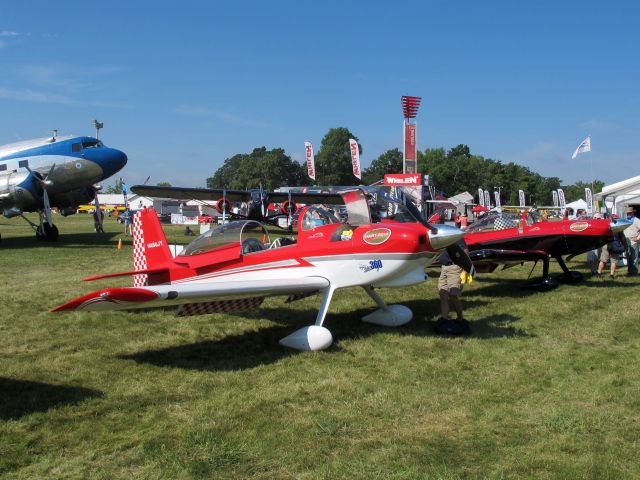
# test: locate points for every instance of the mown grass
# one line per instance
(548, 385)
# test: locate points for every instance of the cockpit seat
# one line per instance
(252, 245)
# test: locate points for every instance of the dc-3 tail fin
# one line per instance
(150, 249)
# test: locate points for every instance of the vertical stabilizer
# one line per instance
(150, 249)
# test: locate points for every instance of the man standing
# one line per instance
(128, 222)
(631, 234)
(449, 289)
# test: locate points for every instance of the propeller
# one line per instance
(224, 205)
(458, 255)
(290, 209)
(262, 199)
(44, 183)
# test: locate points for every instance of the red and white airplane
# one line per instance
(234, 266)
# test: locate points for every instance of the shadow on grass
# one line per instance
(66, 240)
(22, 397)
(260, 347)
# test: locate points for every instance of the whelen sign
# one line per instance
(403, 179)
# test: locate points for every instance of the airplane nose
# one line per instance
(447, 235)
(619, 226)
(111, 161)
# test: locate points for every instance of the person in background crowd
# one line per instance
(631, 234)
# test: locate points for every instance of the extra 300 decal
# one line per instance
(373, 265)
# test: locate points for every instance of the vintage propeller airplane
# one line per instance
(36, 175)
(511, 238)
(234, 266)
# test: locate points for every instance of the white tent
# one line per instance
(621, 194)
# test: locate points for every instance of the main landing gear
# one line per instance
(46, 231)
(317, 337)
(547, 282)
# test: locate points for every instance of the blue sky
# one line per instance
(181, 86)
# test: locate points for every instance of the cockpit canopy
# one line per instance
(316, 216)
(228, 233)
(501, 220)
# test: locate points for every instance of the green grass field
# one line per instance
(548, 385)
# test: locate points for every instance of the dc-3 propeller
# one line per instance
(46, 229)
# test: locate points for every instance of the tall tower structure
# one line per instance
(410, 107)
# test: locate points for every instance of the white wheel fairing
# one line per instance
(392, 316)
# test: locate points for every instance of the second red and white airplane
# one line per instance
(234, 266)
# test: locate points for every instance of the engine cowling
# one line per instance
(70, 200)
(223, 205)
(289, 207)
(19, 192)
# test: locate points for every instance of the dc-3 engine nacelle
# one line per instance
(68, 202)
(19, 191)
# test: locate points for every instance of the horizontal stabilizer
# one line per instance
(124, 274)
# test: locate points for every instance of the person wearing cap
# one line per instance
(631, 235)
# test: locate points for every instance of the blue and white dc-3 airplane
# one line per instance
(60, 172)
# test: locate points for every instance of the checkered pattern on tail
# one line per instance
(139, 257)
(300, 296)
(220, 306)
(504, 223)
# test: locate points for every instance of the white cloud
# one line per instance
(33, 96)
(6, 33)
(196, 111)
(224, 116)
(602, 126)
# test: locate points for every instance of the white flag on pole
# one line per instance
(481, 196)
(585, 146)
(521, 198)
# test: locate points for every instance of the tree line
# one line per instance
(452, 171)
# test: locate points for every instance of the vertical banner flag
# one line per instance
(496, 195)
(481, 197)
(124, 194)
(311, 164)
(555, 198)
(589, 198)
(410, 148)
(585, 146)
(355, 158)
(561, 201)
(487, 199)
(521, 198)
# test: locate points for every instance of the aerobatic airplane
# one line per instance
(234, 266)
(511, 238)
(61, 172)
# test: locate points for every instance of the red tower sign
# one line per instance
(410, 107)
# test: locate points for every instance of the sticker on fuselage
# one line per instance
(579, 226)
(372, 265)
(346, 235)
(376, 236)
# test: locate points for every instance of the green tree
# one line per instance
(271, 168)
(576, 191)
(389, 162)
(224, 175)
(333, 161)
(163, 184)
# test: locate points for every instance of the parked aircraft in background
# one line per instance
(60, 172)
(234, 266)
(510, 238)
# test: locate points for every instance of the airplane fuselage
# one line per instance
(68, 166)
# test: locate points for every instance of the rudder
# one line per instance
(150, 249)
